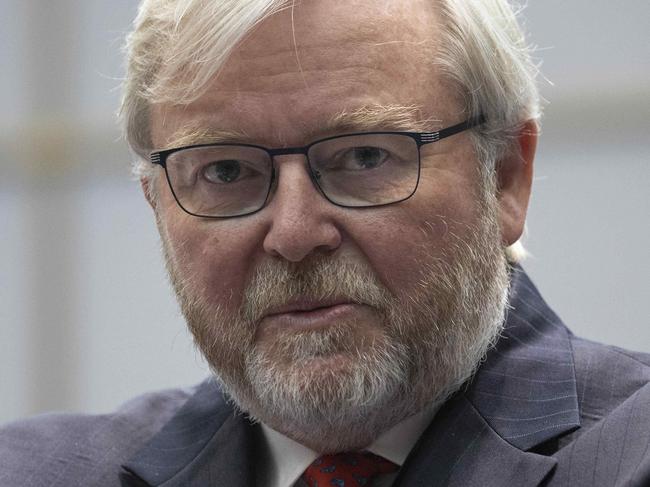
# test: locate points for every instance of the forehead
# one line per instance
(302, 66)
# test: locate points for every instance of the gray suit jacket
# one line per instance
(545, 408)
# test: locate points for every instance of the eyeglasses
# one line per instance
(359, 170)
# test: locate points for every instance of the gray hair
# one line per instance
(177, 46)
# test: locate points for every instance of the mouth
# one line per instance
(306, 306)
(306, 314)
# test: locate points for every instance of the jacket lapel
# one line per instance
(205, 443)
(460, 449)
(523, 395)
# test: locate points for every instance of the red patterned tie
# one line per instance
(347, 470)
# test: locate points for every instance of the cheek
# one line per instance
(213, 258)
(401, 240)
(396, 250)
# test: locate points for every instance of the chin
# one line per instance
(329, 400)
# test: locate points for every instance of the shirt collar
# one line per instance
(286, 459)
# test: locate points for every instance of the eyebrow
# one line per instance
(368, 118)
(192, 134)
(382, 117)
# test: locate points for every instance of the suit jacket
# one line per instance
(545, 408)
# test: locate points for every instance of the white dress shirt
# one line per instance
(285, 460)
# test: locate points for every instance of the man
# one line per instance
(340, 188)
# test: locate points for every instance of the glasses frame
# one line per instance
(421, 138)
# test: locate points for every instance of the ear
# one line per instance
(515, 179)
(147, 188)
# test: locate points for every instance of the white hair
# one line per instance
(177, 46)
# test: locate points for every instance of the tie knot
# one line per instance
(351, 469)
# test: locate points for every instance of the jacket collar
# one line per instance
(523, 395)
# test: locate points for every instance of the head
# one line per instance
(332, 324)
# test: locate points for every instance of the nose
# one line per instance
(302, 220)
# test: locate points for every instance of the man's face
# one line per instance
(313, 314)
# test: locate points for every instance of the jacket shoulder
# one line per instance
(82, 450)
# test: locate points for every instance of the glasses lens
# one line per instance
(220, 181)
(366, 170)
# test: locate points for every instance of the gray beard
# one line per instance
(430, 343)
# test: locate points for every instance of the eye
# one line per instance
(220, 172)
(359, 158)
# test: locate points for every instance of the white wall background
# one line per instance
(87, 319)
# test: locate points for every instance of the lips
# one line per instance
(308, 314)
(305, 306)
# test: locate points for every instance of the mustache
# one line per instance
(318, 278)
